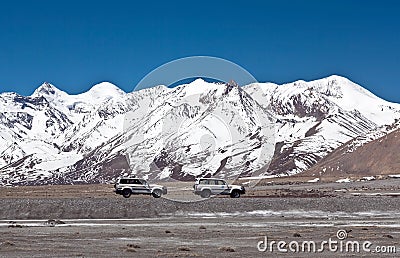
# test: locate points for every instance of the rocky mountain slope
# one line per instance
(314, 118)
(178, 133)
(373, 154)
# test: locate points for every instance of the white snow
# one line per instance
(315, 180)
(344, 180)
(368, 178)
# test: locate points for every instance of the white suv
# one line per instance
(128, 186)
(205, 187)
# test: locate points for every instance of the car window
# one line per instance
(129, 181)
(204, 182)
(212, 182)
(136, 182)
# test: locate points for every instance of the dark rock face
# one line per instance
(297, 105)
(13, 118)
(31, 102)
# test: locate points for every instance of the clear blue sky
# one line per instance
(75, 44)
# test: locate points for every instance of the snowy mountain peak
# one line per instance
(337, 78)
(105, 86)
(196, 87)
(233, 83)
(198, 81)
(105, 90)
(46, 89)
(338, 86)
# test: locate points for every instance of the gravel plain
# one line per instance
(148, 207)
(60, 221)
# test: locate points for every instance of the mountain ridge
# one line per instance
(312, 120)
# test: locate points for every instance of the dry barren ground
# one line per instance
(91, 221)
(190, 237)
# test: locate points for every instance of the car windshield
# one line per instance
(204, 182)
(143, 182)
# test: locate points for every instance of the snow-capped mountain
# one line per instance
(314, 118)
(194, 129)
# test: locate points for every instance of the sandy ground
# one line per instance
(94, 222)
(194, 235)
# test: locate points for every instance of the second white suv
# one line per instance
(205, 187)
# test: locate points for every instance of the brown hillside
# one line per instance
(379, 157)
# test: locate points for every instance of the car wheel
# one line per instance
(157, 193)
(235, 194)
(126, 193)
(205, 193)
